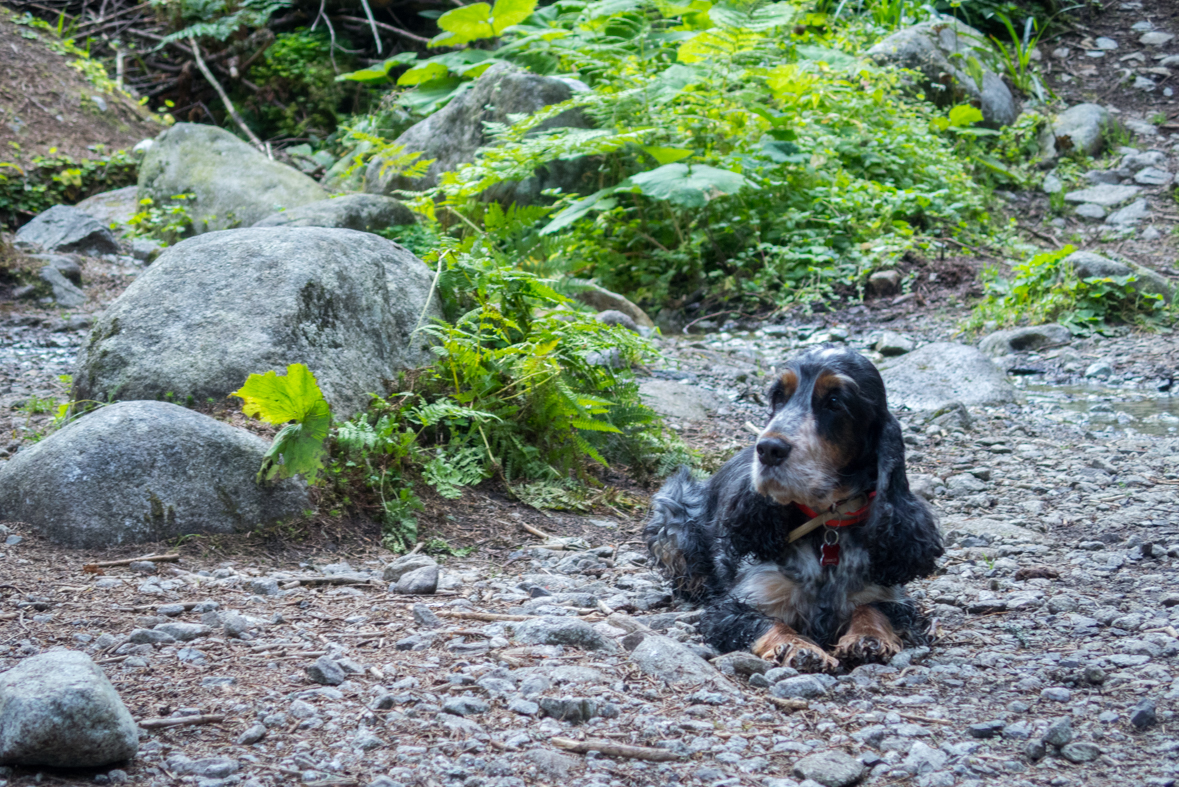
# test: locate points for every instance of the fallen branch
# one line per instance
(390, 28)
(196, 52)
(615, 749)
(178, 721)
(487, 617)
(914, 717)
(317, 579)
(172, 558)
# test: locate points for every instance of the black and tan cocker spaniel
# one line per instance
(800, 546)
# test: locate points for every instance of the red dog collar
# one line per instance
(857, 517)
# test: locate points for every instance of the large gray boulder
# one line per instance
(112, 207)
(937, 374)
(1082, 127)
(64, 228)
(215, 308)
(58, 709)
(143, 471)
(453, 134)
(1088, 264)
(1022, 339)
(361, 212)
(234, 184)
(939, 49)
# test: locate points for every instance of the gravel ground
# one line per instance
(1053, 603)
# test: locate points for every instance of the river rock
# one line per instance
(677, 401)
(234, 185)
(65, 292)
(64, 228)
(1021, 339)
(215, 308)
(66, 263)
(1088, 264)
(143, 471)
(600, 299)
(673, 662)
(1133, 213)
(58, 709)
(453, 134)
(1107, 195)
(112, 207)
(928, 378)
(830, 769)
(936, 48)
(362, 212)
(1081, 127)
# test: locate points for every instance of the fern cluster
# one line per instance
(524, 388)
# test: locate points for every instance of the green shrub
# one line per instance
(734, 156)
(299, 95)
(525, 389)
(1047, 289)
(55, 179)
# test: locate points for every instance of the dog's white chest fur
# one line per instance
(791, 590)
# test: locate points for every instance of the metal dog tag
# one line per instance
(829, 549)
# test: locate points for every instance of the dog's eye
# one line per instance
(833, 401)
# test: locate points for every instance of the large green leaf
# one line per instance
(506, 13)
(689, 186)
(379, 73)
(480, 20)
(294, 400)
(426, 71)
(666, 155)
(463, 24)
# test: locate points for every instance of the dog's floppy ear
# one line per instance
(902, 535)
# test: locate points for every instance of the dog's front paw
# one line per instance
(805, 657)
(864, 649)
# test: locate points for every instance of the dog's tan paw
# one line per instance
(869, 638)
(806, 657)
(865, 649)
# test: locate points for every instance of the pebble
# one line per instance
(1080, 751)
(1056, 694)
(1059, 732)
(830, 769)
(1143, 715)
(325, 671)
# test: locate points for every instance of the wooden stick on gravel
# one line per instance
(489, 617)
(611, 749)
(172, 558)
(177, 721)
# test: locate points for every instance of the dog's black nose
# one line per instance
(772, 451)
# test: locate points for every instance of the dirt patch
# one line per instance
(46, 103)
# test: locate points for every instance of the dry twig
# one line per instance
(615, 749)
(177, 721)
(170, 558)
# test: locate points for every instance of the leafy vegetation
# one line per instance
(296, 401)
(525, 389)
(55, 179)
(1046, 288)
(168, 223)
(739, 152)
(299, 95)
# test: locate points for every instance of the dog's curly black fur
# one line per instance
(723, 542)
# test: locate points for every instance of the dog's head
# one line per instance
(830, 436)
(820, 445)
